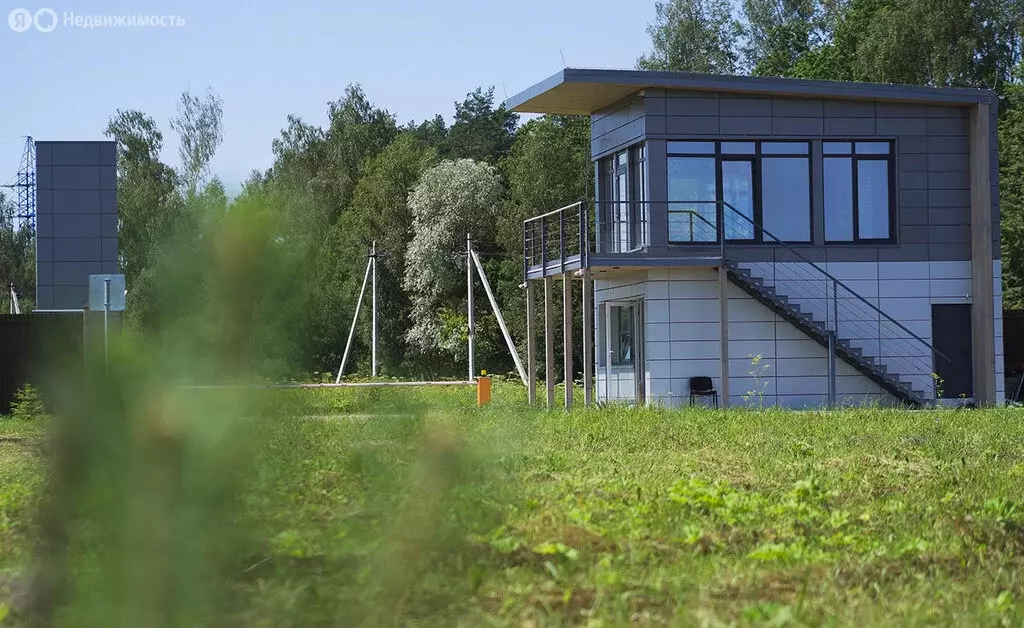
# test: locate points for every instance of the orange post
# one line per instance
(483, 389)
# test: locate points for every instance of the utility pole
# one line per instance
(373, 333)
(469, 305)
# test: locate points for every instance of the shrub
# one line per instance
(28, 405)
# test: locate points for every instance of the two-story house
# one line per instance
(799, 242)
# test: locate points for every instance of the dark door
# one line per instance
(951, 335)
(640, 364)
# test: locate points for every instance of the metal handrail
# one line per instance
(553, 212)
(826, 276)
(832, 277)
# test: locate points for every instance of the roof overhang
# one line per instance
(585, 91)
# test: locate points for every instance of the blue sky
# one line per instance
(270, 59)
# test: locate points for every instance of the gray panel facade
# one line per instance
(932, 158)
(76, 218)
(617, 126)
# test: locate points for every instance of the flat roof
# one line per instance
(584, 91)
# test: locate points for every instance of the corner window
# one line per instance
(764, 186)
(622, 211)
(859, 187)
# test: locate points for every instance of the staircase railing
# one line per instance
(851, 317)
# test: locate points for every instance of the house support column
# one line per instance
(983, 308)
(567, 337)
(723, 324)
(588, 339)
(531, 342)
(549, 340)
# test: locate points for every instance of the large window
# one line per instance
(858, 191)
(765, 188)
(691, 182)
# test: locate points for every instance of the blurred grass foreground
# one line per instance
(139, 502)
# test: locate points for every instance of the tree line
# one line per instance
(414, 188)
(417, 188)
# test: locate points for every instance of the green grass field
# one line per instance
(415, 507)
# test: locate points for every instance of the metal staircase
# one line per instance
(818, 331)
(800, 291)
(826, 309)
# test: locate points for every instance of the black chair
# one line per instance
(703, 387)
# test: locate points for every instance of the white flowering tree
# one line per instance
(452, 199)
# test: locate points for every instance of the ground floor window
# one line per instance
(622, 332)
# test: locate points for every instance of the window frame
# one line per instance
(755, 192)
(639, 161)
(716, 173)
(855, 158)
(634, 166)
(755, 159)
(616, 357)
(619, 210)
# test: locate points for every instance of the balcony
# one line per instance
(618, 238)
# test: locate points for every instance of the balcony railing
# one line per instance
(556, 241)
(561, 240)
(622, 226)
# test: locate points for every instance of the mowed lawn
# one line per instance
(415, 507)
